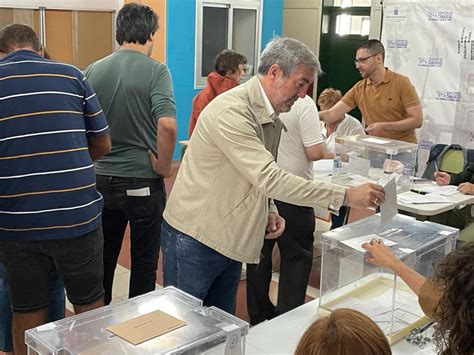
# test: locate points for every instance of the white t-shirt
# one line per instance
(303, 130)
(349, 126)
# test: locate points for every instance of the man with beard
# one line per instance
(388, 101)
(220, 208)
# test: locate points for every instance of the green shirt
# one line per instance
(134, 92)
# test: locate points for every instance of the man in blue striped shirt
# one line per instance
(51, 130)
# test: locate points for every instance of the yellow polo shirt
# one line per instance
(385, 103)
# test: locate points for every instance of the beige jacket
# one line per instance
(220, 196)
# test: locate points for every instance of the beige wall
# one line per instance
(302, 20)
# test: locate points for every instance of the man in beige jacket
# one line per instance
(220, 208)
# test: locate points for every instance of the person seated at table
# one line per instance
(343, 332)
(447, 297)
(465, 179)
(229, 67)
(346, 125)
(463, 218)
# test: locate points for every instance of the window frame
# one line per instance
(231, 5)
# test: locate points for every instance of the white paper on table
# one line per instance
(359, 166)
(323, 165)
(389, 208)
(414, 198)
(357, 180)
(375, 140)
(356, 243)
(446, 190)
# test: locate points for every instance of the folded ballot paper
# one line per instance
(389, 208)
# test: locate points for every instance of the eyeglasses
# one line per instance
(362, 60)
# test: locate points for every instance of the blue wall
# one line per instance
(181, 19)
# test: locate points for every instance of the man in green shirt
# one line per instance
(136, 94)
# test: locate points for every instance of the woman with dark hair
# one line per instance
(343, 332)
(447, 297)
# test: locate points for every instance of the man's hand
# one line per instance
(466, 188)
(375, 129)
(442, 178)
(275, 226)
(164, 171)
(165, 142)
(365, 195)
(380, 254)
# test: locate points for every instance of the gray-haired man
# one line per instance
(220, 208)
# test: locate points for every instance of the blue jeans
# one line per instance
(199, 270)
(56, 307)
(143, 213)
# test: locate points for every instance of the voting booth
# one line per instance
(348, 281)
(166, 321)
(364, 158)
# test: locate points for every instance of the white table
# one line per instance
(431, 209)
(280, 335)
(422, 209)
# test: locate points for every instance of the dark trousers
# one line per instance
(139, 202)
(338, 221)
(56, 307)
(296, 259)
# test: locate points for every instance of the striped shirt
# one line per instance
(48, 111)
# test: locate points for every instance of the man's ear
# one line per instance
(275, 72)
(41, 52)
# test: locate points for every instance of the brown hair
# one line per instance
(228, 60)
(344, 332)
(16, 36)
(329, 96)
(454, 316)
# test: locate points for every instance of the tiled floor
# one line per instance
(122, 272)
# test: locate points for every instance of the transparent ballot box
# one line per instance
(348, 281)
(207, 330)
(362, 158)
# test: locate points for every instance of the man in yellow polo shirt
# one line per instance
(388, 101)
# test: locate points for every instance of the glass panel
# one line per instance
(352, 25)
(365, 28)
(325, 24)
(214, 35)
(366, 3)
(244, 35)
(21, 16)
(348, 3)
(343, 24)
